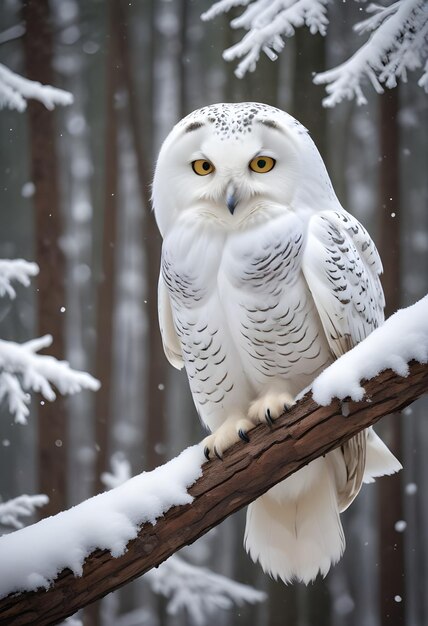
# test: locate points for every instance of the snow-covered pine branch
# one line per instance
(398, 41)
(398, 44)
(23, 506)
(197, 590)
(23, 370)
(267, 22)
(16, 270)
(15, 90)
(120, 471)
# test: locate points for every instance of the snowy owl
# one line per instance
(265, 280)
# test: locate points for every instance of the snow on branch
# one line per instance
(16, 270)
(108, 521)
(187, 587)
(268, 21)
(114, 537)
(23, 506)
(23, 370)
(15, 90)
(401, 339)
(399, 43)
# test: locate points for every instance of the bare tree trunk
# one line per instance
(183, 57)
(142, 122)
(106, 289)
(389, 199)
(107, 280)
(52, 417)
(310, 58)
(246, 471)
(392, 565)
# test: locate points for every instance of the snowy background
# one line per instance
(135, 68)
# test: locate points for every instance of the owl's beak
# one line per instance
(231, 197)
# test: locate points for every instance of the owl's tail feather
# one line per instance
(296, 538)
(379, 459)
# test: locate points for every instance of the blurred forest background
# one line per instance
(75, 198)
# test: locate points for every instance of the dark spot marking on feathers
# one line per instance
(193, 126)
(270, 124)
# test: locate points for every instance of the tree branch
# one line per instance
(247, 471)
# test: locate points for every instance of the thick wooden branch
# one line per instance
(247, 471)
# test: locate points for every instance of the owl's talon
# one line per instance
(286, 408)
(207, 453)
(217, 454)
(243, 435)
(268, 417)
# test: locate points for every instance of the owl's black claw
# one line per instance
(207, 453)
(268, 417)
(286, 408)
(243, 435)
(217, 454)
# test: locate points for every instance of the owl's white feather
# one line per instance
(170, 341)
(265, 280)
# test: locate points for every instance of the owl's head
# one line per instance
(225, 162)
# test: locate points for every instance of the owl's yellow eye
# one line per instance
(202, 167)
(262, 164)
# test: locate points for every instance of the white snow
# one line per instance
(187, 587)
(267, 23)
(120, 471)
(401, 339)
(23, 506)
(411, 489)
(33, 556)
(28, 189)
(17, 270)
(400, 526)
(397, 43)
(15, 90)
(23, 370)
(197, 590)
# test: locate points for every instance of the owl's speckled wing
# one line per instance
(171, 343)
(342, 267)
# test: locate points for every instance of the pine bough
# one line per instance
(15, 90)
(398, 42)
(22, 370)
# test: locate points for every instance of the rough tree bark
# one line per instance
(141, 125)
(108, 276)
(391, 508)
(52, 417)
(106, 288)
(246, 472)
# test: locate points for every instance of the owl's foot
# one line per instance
(270, 406)
(232, 430)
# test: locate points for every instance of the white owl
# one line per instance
(265, 280)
